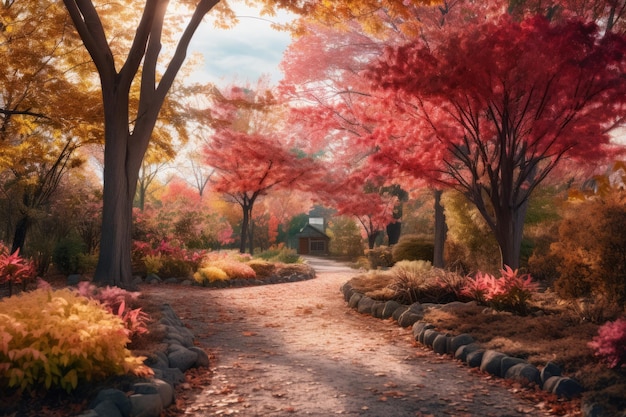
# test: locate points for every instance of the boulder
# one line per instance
(419, 327)
(491, 362)
(408, 318)
(551, 369)
(429, 337)
(114, 396)
(182, 359)
(109, 409)
(146, 405)
(567, 387)
(524, 373)
(354, 300)
(390, 307)
(440, 344)
(377, 309)
(457, 341)
(475, 358)
(365, 305)
(399, 311)
(462, 352)
(203, 357)
(507, 362)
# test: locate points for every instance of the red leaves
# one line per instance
(14, 268)
(610, 343)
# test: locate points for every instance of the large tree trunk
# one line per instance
(441, 230)
(122, 162)
(244, 228)
(509, 233)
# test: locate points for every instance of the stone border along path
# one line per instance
(296, 349)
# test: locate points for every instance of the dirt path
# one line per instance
(297, 349)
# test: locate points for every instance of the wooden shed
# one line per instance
(312, 241)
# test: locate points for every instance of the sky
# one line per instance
(243, 53)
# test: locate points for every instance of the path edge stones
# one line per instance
(465, 349)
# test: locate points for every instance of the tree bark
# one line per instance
(441, 230)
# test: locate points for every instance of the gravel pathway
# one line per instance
(297, 349)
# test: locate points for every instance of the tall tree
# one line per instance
(494, 108)
(42, 97)
(249, 153)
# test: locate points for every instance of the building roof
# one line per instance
(310, 230)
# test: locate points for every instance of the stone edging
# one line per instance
(151, 396)
(463, 347)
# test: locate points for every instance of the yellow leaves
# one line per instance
(57, 338)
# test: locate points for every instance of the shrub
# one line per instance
(380, 257)
(280, 254)
(234, 269)
(610, 343)
(57, 339)
(590, 253)
(153, 263)
(409, 279)
(262, 268)
(66, 255)
(118, 301)
(413, 248)
(509, 292)
(209, 274)
(13, 268)
(346, 240)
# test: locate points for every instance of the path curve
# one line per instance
(297, 349)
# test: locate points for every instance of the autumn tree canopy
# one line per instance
(495, 108)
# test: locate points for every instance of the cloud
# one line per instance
(243, 53)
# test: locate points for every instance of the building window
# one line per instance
(317, 246)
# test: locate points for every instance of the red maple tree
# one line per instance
(493, 108)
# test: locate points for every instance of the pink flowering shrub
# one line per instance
(610, 343)
(511, 291)
(13, 268)
(117, 301)
(174, 259)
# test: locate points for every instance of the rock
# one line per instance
(417, 309)
(567, 387)
(592, 410)
(550, 383)
(453, 306)
(182, 359)
(507, 362)
(109, 409)
(457, 341)
(172, 376)
(354, 300)
(187, 282)
(524, 373)
(491, 362)
(365, 305)
(474, 359)
(429, 337)
(89, 413)
(440, 344)
(462, 352)
(74, 279)
(418, 327)
(116, 397)
(171, 281)
(551, 369)
(390, 307)
(399, 311)
(144, 388)
(203, 357)
(408, 318)
(420, 337)
(146, 405)
(165, 390)
(377, 309)
(153, 279)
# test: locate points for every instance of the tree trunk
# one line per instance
(244, 228)
(251, 234)
(122, 162)
(19, 237)
(441, 230)
(393, 232)
(509, 233)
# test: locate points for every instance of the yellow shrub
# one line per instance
(210, 274)
(58, 339)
